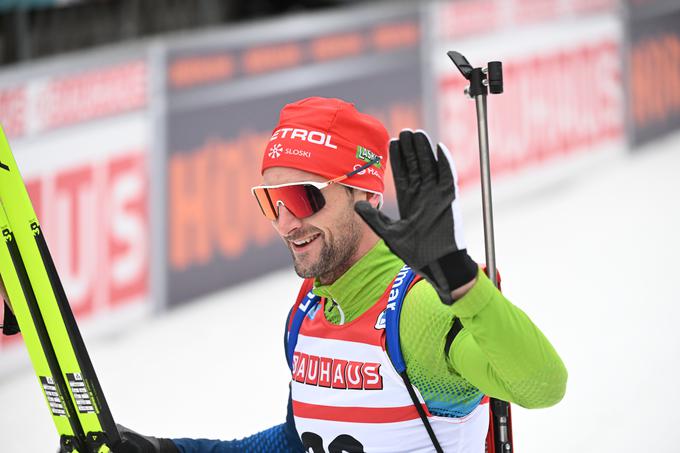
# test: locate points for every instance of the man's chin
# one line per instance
(303, 267)
(309, 263)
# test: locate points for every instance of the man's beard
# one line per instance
(335, 256)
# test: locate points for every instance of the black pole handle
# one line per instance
(495, 77)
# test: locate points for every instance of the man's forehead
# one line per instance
(282, 175)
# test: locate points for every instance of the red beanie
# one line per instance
(329, 137)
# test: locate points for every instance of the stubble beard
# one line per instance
(336, 254)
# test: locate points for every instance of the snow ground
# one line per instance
(591, 258)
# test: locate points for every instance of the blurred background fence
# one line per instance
(139, 125)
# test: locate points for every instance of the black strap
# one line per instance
(10, 326)
(455, 328)
(421, 412)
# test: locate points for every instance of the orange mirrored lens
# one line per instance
(268, 209)
(301, 200)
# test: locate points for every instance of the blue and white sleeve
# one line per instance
(280, 438)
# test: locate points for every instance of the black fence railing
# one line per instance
(38, 28)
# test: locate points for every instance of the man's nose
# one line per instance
(286, 222)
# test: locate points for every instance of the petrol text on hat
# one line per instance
(316, 137)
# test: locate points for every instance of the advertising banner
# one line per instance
(79, 131)
(224, 92)
(563, 93)
(653, 69)
(462, 19)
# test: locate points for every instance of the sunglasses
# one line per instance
(302, 199)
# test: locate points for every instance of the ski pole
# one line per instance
(483, 80)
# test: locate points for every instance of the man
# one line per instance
(461, 339)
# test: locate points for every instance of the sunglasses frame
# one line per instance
(319, 185)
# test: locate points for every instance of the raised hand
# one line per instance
(429, 234)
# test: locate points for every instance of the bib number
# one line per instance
(344, 443)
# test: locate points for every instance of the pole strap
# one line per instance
(421, 412)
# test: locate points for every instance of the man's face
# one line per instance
(325, 244)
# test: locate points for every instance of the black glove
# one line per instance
(429, 236)
(133, 442)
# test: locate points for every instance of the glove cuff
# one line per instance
(450, 272)
(167, 446)
(458, 268)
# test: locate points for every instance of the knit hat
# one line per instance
(329, 137)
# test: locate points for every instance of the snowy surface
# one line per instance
(591, 257)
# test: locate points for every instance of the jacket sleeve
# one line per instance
(499, 350)
(277, 439)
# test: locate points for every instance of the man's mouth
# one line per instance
(300, 245)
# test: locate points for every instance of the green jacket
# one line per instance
(498, 352)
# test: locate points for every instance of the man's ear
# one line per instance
(373, 198)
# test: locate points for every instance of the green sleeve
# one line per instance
(499, 350)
